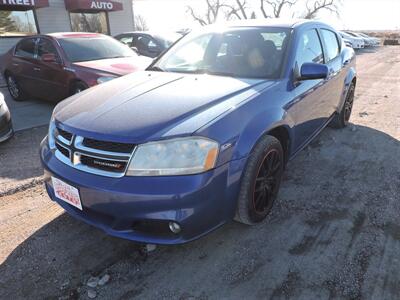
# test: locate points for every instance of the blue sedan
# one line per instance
(202, 137)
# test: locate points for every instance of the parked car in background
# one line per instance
(367, 41)
(55, 66)
(356, 42)
(148, 44)
(348, 43)
(6, 129)
(375, 41)
(201, 138)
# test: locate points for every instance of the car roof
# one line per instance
(61, 35)
(152, 33)
(272, 22)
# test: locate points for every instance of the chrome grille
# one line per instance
(93, 156)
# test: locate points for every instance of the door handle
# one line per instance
(36, 69)
(15, 64)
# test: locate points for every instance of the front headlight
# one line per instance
(182, 156)
(51, 134)
(101, 80)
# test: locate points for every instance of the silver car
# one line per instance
(6, 129)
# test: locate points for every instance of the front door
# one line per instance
(310, 106)
(52, 82)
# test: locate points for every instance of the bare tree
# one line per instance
(140, 23)
(211, 14)
(239, 9)
(217, 8)
(277, 7)
(315, 6)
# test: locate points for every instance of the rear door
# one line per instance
(24, 65)
(52, 82)
(337, 74)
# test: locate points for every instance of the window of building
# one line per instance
(26, 48)
(332, 44)
(17, 23)
(89, 22)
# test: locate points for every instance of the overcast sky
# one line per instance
(354, 14)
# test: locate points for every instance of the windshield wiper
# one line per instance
(155, 68)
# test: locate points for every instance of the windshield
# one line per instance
(240, 52)
(167, 39)
(80, 49)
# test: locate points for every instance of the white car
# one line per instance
(367, 40)
(356, 42)
(374, 41)
(348, 43)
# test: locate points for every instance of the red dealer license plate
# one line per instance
(66, 193)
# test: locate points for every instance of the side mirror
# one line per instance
(312, 71)
(49, 57)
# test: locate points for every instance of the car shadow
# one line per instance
(311, 233)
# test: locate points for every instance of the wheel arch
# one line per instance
(282, 134)
(75, 81)
(350, 78)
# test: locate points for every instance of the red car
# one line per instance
(55, 66)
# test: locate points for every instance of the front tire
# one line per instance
(341, 120)
(261, 181)
(14, 88)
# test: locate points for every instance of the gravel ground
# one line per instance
(334, 231)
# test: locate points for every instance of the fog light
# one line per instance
(174, 227)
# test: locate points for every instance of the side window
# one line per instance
(45, 47)
(332, 44)
(309, 49)
(127, 40)
(143, 43)
(26, 48)
(152, 44)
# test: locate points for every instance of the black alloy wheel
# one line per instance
(261, 181)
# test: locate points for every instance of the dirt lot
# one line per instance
(334, 231)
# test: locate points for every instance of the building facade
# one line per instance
(19, 18)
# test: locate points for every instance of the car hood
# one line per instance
(152, 105)
(117, 66)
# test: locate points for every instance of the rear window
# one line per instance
(80, 49)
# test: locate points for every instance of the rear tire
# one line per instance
(14, 88)
(261, 181)
(341, 119)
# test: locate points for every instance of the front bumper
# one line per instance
(140, 208)
(6, 129)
